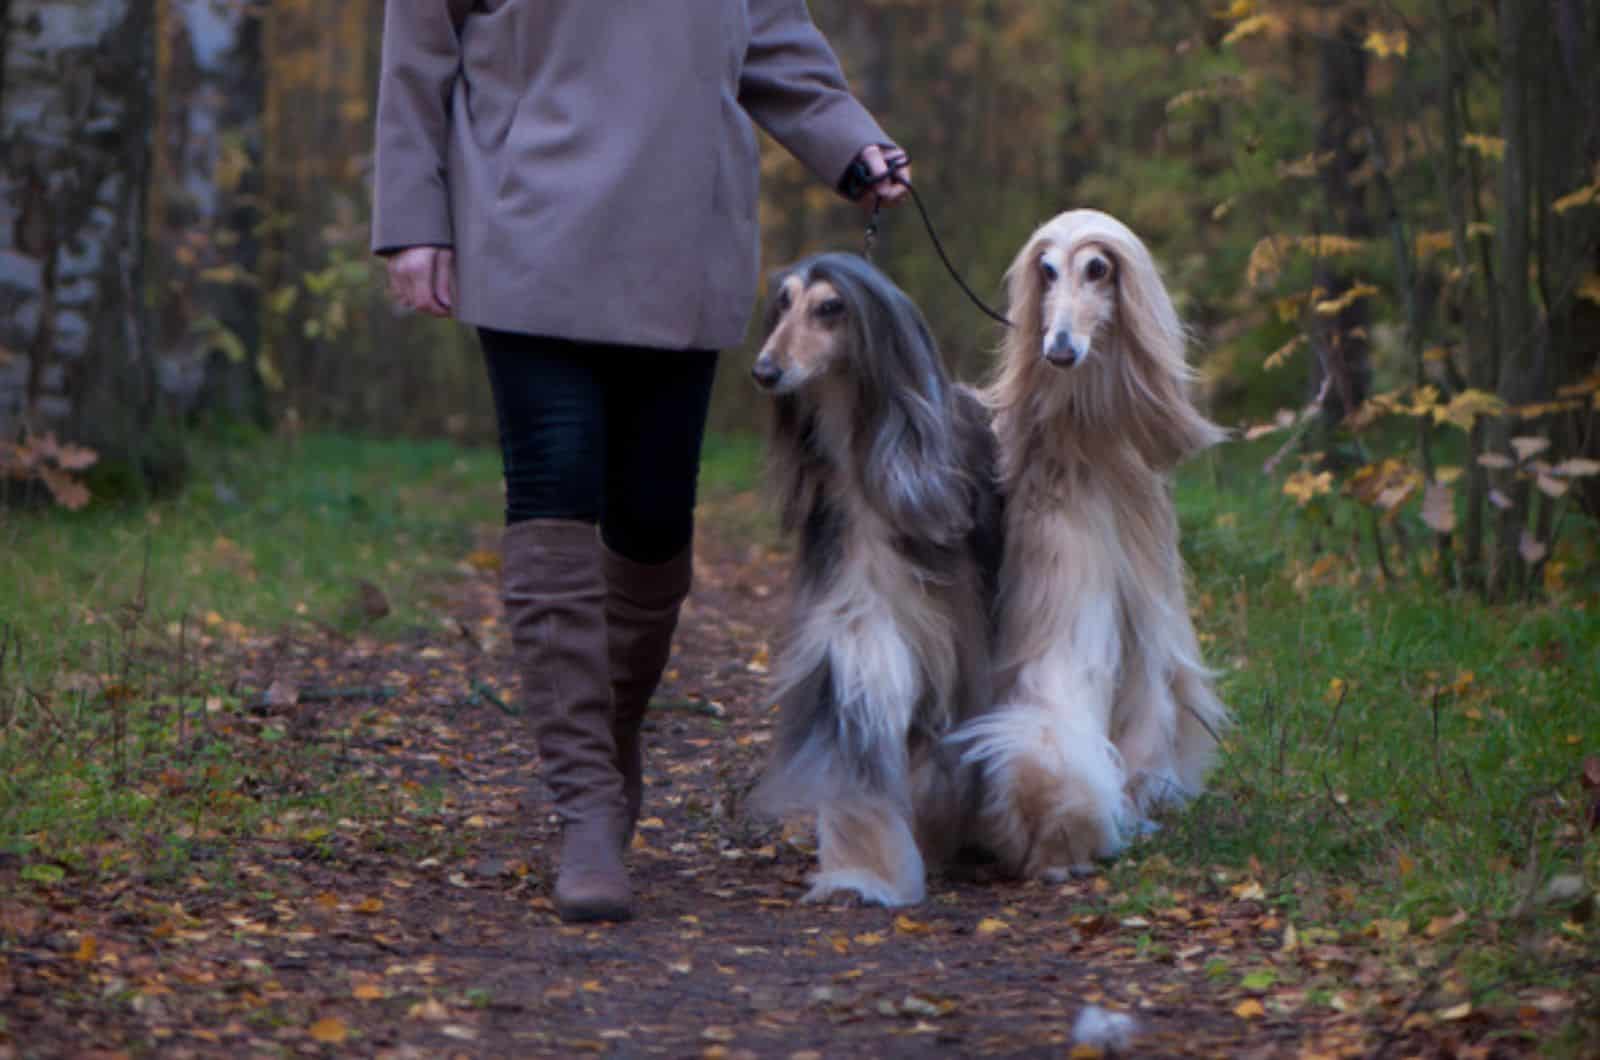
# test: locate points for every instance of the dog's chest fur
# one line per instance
(1082, 562)
(873, 618)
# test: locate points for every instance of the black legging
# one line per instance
(606, 434)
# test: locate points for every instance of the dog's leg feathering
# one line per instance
(1053, 789)
(866, 847)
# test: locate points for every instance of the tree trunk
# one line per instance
(76, 77)
(206, 208)
(1342, 341)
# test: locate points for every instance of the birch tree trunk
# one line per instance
(75, 80)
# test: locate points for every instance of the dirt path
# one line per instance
(430, 934)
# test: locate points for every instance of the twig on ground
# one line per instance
(480, 690)
(692, 706)
(379, 693)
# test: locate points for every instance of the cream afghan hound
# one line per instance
(887, 479)
(1104, 707)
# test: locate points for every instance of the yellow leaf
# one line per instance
(1573, 200)
(1336, 690)
(1304, 486)
(368, 992)
(1384, 45)
(1240, 9)
(1279, 356)
(1249, 890)
(88, 948)
(1249, 1009)
(1271, 254)
(1447, 476)
(1488, 146)
(992, 925)
(1456, 1012)
(330, 1030)
(1405, 864)
(1305, 166)
(1430, 243)
(369, 905)
(1249, 27)
(1465, 408)
(484, 559)
(1589, 288)
(906, 926)
(1480, 228)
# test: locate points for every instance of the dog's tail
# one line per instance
(1053, 793)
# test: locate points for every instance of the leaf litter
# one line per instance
(427, 929)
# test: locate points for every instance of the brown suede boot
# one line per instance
(555, 601)
(642, 602)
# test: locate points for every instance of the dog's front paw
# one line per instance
(1068, 873)
(857, 887)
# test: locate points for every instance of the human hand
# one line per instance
(424, 279)
(888, 187)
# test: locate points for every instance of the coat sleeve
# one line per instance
(793, 87)
(421, 58)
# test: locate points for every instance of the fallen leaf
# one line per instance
(88, 948)
(1249, 1009)
(992, 925)
(1456, 1012)
(330, 1030)
(906, 926)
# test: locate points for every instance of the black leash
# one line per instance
(858, 181)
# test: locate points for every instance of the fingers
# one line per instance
(444, 280)
(890, 175)
(413, 280)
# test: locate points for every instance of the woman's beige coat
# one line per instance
(592, 162)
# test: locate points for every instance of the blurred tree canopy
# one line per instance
(1382, 221)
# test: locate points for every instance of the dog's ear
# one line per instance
(911, 464)
(1019, 348)
(1160, 414)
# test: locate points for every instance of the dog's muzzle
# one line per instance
(765, 373)
(1062, 352)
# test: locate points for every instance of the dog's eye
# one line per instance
(1098, 270)
(1049, 271)
(781, 303)
(830, 309)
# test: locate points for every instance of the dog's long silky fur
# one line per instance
(1105, 709)
(886, 474)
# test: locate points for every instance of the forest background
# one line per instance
(1380, 218)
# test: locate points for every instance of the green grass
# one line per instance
(1401, 752)
(122, 734)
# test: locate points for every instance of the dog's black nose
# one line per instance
(766, 374)
(1060, 351)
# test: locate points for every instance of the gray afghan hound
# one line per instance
(886, 473)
